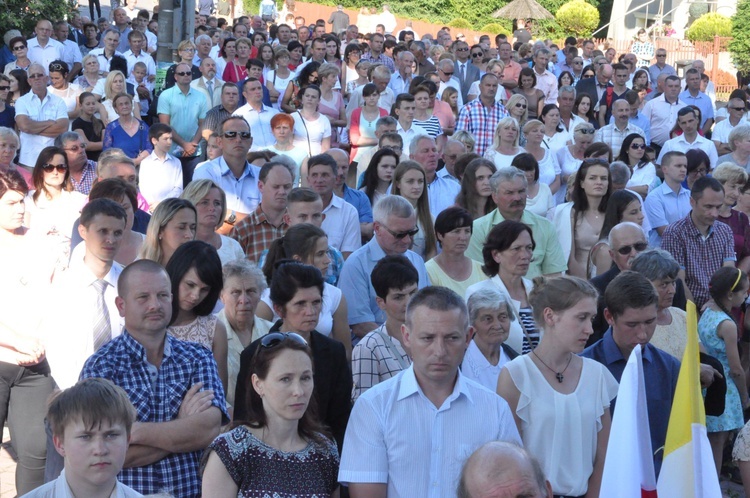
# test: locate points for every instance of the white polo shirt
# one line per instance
(53, 50)
(342, 225)
(51, 108)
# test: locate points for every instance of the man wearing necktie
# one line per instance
(467, 72)
(596, 86)
(208, 84)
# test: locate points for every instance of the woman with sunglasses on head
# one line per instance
(578, 223)
(569, 157)
(20, 50)
(280, 445)
(642, 171)
(195, 272)
(59, 86)
(297, 296)
(172, 224)
(623, 205)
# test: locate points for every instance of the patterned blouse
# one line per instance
(259, 470)
(200, 330)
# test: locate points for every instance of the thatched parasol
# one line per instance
(523, 9)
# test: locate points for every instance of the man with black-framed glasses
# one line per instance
(394, 227)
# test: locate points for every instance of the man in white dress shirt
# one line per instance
(441, 191)
(137, 53)
(257, 114)
(688, 122)
(43, 49)
(418, 427)
(71, 51)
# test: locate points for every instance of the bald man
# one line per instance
(44, 49)
(502, 470)
(355, 197)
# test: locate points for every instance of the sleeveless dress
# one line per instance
(200, 330)
(732, 417)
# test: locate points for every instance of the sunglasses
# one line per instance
(638, 146)
(521, 106)
(183, 73)
(49, 168)
(4, 88)
(447, 73)
(75, 148)
(56, 67)
(401, 235)
(638, 246)
(588, 131)
(732, 108)
(275, 338)
(244, 135)
(19, 47)
(477, 54)
(36, 76)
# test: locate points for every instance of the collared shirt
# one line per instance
(663, 207)
(87, 178)
(156, 394)
(398, 84)
(702, 102)
(452, 83)
(52, 108)
(377, 357)
(575, 120)
(242, 193)
(561, 67)
(441, 193)
(52, 51)
(477, 368)
(381, 59)
(184, 112)
(613, 136)
(548, 255)
(59, 488)
(201, 84)
(662, 116)
(723, 128)
(512, 70)
(444, 173)
(394, 421)
(547, 83)
(141, 57)
(215, 117)
(71, 53)
(341, 224)
(361, 203)
(680, 143)
(124, 43)
(654, 71)
(700, 256)
(408, 136)
(160, 179)
(260, 124)
(660, 371)
(356, 285)
(641, 122)
(481, 122)
(255, 233)
(102, 58)
(356, 100)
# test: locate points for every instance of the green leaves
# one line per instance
(739, 47)
(23, 14)
(578, 17)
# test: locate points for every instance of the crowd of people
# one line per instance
(328, 259)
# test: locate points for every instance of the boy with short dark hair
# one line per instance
(160, 175)
(380, 355)
(91, 424)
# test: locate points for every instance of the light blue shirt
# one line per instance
(397, 436)
(242, 193)
(702, 102)
(184, 112)
(357, 287)
(443, 173)
(442, 194)
(398, 84)
(663, 207)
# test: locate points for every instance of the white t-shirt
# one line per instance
(309, 135)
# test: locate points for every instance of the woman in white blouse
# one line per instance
(504, 143)
(549, 169)
(278, 79)
(312, 130)
(569, 157)
(555, 136)
(554, 388)
(642, 171)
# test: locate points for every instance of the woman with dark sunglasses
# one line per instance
(21, 50)
(297, 297)
(642, 171)
(281, 447)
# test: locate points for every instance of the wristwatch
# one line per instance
(232, 218)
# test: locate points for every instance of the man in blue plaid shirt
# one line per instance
(174, 386)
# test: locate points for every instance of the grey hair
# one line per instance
(506, 174)
(619, 227)
(542, 51)
(68, 136)
(445, 63)
(401, 54)
(620, 172)
(485, 453)
(567, 89)
(488, 299)
(414, 145)
(386, 121)
(391, 205)
(741, 131)
(381, 72)
(243, 268)
(9, 134)
(655, 264)
(201, 37)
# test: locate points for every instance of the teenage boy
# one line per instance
(161, 173)
(91, 424)
(670, 201)
(380, 355)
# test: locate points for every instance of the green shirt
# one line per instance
(548, 256)
(184, 112)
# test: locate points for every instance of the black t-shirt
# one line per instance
(522, 35)
(91, 136)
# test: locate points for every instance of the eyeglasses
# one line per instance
(700, 171)
(521, 106)
(4, 88)
(275, 338)
(19, 47)
(661, 55)
(394, 148)
(638, 146)
(447, 73)
(401, 235)
(462, 49)
(732, 108)
(36, 76)
(477, 54)
(183, 73)
(187, 50)
(577, 62)
(75, 148)
(49, 168)
(587, 131)
(244, 135)
(638, 246)
(57, 67)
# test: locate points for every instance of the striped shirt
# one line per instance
(375, 358)
(430, 125)
(531, 332)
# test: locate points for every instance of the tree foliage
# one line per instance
(578, 18)
(709, 25)
(23, 14)
(739, 47)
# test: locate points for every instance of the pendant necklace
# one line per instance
(558, 375)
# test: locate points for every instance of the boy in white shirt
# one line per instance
(160, 175)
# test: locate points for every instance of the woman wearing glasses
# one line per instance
(7, 113)
(53, 206)
(642, 171)
(186, 51)
(518, 108)
(281, 447)
(578, 223)
(297, 297)
(236, 69)
(21, 51)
